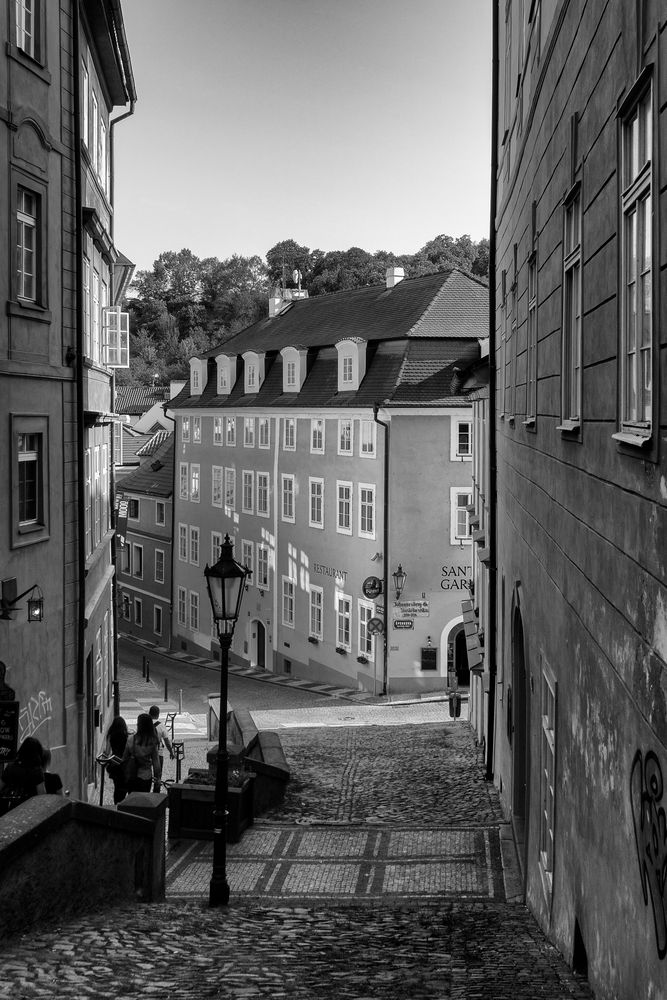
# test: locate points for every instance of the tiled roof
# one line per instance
(137, 399)
(153, 443)
(154, 477)
(133, 442)
(417, 332)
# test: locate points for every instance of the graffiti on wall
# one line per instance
(34, 714)
(650, 822)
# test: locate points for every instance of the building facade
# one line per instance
(332, 442)
(580, 734)
(65, 68)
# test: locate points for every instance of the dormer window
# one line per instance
(253, 372)
(294, 368)
(226, 374)
(197, 376)
(351, 364)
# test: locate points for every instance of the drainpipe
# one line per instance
(80, 432)
(385, 545)
(493, 477)
(173, 525)
(130, 88)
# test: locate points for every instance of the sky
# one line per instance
(336, 123)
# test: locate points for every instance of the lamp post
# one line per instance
(225, 582)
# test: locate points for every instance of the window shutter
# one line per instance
(117, 337)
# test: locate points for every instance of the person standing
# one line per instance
(162, 738)
(24, 777)
(141, 764)
(53, 784)
(115, 747)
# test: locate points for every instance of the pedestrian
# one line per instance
(24, 777)
(141, 764)
(162, 739)
(116, 742)
(52, 782)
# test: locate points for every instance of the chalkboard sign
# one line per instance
(429, 658)
(9, 730)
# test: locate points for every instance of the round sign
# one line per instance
(372, 587)
(375, 626)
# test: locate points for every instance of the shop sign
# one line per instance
(338, 574)
(412, 609)
(9, 729)
(403, 623)
(372, 587)
(455, 577)
(121, 519)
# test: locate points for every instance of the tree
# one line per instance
(286, 257)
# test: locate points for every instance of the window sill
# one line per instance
(638, 440)
(510, 419)
(29, 310)
(569, 427)
(362, 659)
(14, 52)
(529, 422)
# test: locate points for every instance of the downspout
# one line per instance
(173, 525)
(80, 432)
(385, 545)
(493, 488)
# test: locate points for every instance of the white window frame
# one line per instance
(230, 488)
(248, 432)
(248, 491)
(217, 485)
(316, 612)
(184, 481)
(183, 548)
(289, 433)
(196, 430)
(185, 429)
(230, 432)
(27, 243)
(363, 505)
(217, 432)
(290, 375)
(193, 622)
(341, 527)
(160, 505)
(343, 621)
(248, 556)
(347, 370)
(317, 438)
(182, 607)
(571, 349)
(159, 577)
(263, 566)
(455, 453)
(365, 641)
(367, 441)
(346, 436)
(316, 494)
(193, 557)
(288, 602)
(216, 546)
(195, 482)
(454, 493)
(288, 497)
(263, 489)
(264, 432)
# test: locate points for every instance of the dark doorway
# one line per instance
(261, 645)
(461, 659)
(520, 736)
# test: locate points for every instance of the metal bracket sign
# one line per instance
(403, 623)
(372, 587)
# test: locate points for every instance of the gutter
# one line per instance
(493, 472)
(385, 545)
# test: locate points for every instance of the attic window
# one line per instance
(226, 373)
(351, 364)
(253, 368)
(294, 368)
(347, 369)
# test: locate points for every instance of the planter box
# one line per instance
(191, 810)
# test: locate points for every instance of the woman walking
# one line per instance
(141, 764)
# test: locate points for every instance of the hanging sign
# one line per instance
(375, 626)
(372, 587)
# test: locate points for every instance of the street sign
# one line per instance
(372, 587)
(375, 626)
(403, 623)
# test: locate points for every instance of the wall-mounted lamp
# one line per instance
(8, 603)
(399, 577)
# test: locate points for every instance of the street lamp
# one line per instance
(399, 578)
(225, 582)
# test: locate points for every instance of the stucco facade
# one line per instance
(580, 737)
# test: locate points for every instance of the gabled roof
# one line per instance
(152, 445)
(135, 400)
(133, 442)
(155, 477)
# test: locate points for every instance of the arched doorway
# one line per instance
(453, 653)
(520, 734)
(257, 644)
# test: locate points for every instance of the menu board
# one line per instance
(9, 730)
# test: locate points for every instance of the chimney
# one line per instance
(394, 275)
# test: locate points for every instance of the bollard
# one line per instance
(166, 689)
(179, 754)
(143, 666)
(148, 671)
(454, 706)
(180, 701)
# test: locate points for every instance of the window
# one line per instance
(249, 432)
(264, 432)
(95, 324)
(216, 485)
(217, 430)
(365, 638)
(288, 602)
(195, 379)
(29, 476)
(133, 509)
(251, 377)
(317, 436)
(366, 511)
(262, 578)
(194, 546)
(159, 566)
(26, 26)
(97, 500)
(288, 497)
(95, 126)
(157, 620)
(343, 621)
(547, 774)
(138, 561)
(463, 439)
(138, 611)
(637, 307)
(194, 483)
(316, 605)
(183, 477)
(126, 607)
(86, 318)
(571, 349)
(124, 553)
(194, 611)
(185, 429)
(316, 487)
(344, 519)
(531, 347)
(223, 379)
(289, 434)
(85, 98)
(247, 555)
(26, 244)
(183, 542)
(367, 438)
(348, 370)
(159, 512)
(216, 546)
(230, 423)
(345, 437)
(30, 480)
(230, 488)
(291, 374)
(196, 430)
(248, 492)
(351, 364)
(263, 494)
(182, 606)
(460, 529)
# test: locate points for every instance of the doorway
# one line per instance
(258, 644)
